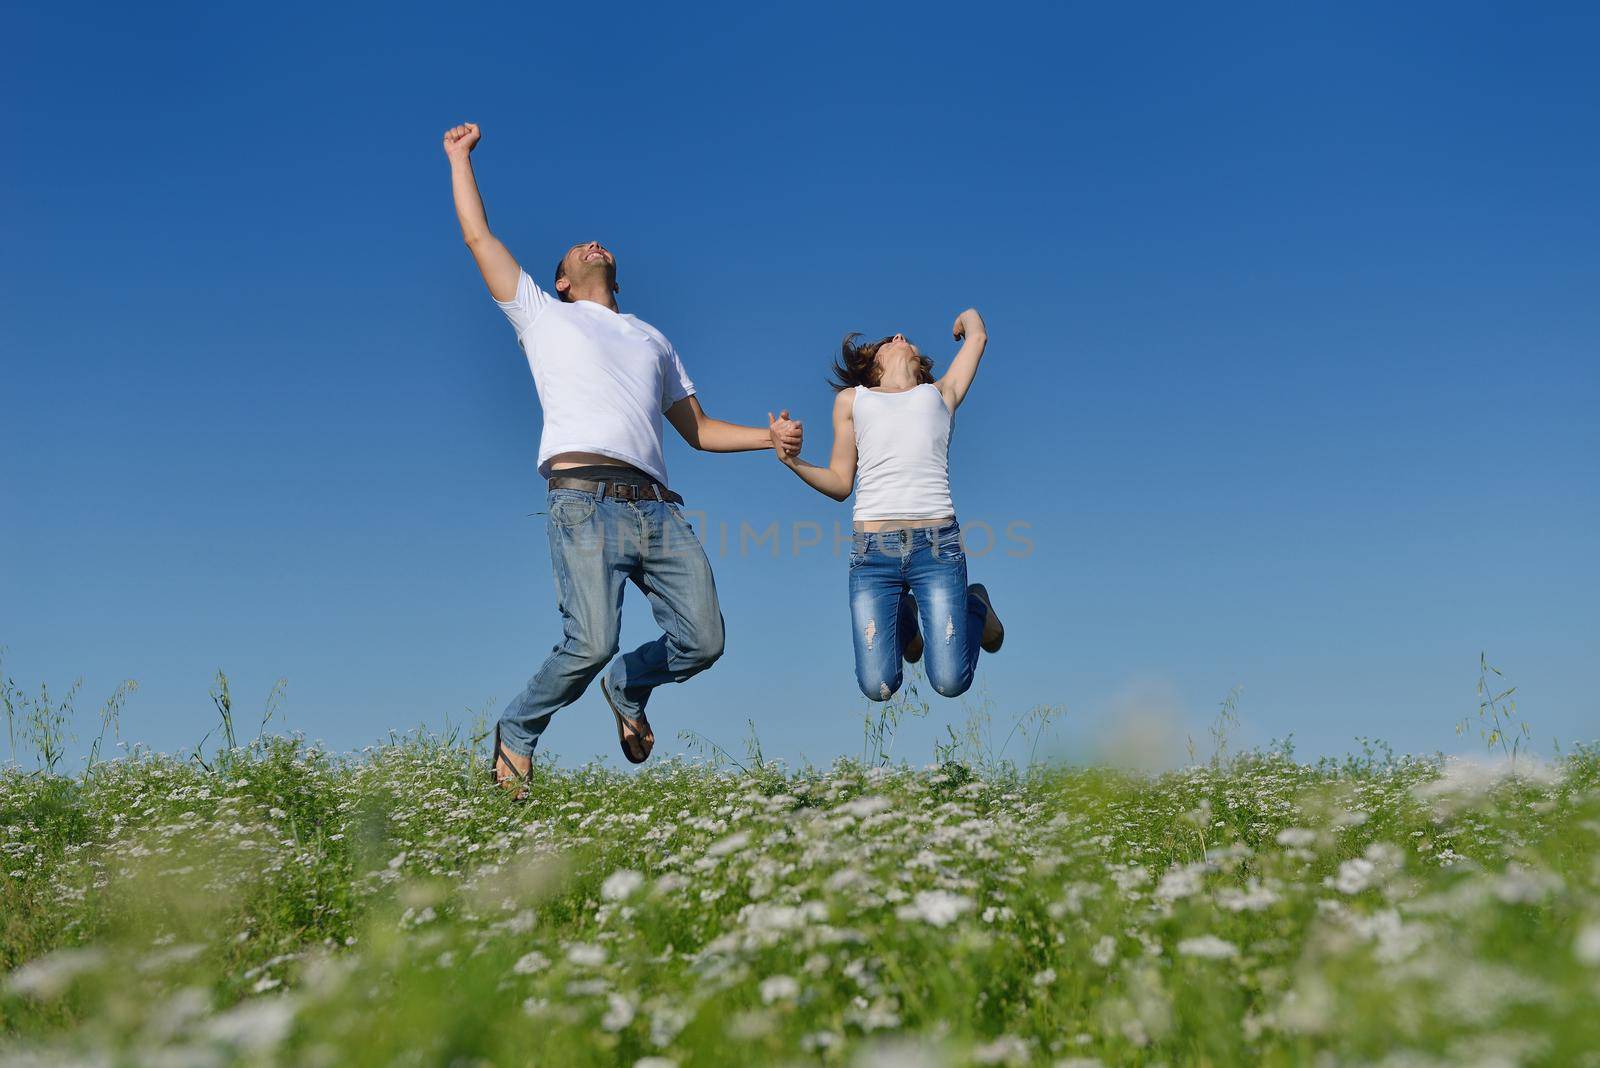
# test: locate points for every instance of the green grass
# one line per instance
(289, 907)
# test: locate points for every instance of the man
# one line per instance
(604, 380)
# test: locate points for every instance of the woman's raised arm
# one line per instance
(964, 368)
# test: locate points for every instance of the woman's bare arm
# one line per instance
(839, 477)
(964, 368)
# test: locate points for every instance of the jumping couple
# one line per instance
(604, 380)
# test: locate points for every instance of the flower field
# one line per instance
(286, 906)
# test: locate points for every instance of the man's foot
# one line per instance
(994, 634)
(908, 619)
(510, 771)
(634, 735)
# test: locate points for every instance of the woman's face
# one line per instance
(895, 352)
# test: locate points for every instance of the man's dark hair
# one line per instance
(561, 272)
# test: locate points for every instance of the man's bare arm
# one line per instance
(499, 267)
(715, 435)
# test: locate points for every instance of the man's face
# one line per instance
(589, 261)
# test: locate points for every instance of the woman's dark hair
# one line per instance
(857, 364)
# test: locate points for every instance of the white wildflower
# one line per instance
(902, 1053)
(763, 918)
(532, 962)
(1006, 1049)
(845, 879)
(666, 1023)
(1348, 818)
(1526, 886)
(50, 975)
(1464, 781)
(586, 955)
(1253, 898)
(254, 1025)
(621, 884)
(1296, 837)
(879, 1016)
(1395, 939)
(1587, 947)
(177, 1013)
(1210, 947)
(779, 988)
(731, 844)
(619, 1013)
(1308, 1009)
(862, 807)
(937, 907)
(169, 956)
(1180, 882)
(1104, 951)
(1127, 878)
(818, 1041)
(1355, 875)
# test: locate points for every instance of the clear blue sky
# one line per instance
(1293, 367)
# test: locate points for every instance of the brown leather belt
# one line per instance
(620, 491)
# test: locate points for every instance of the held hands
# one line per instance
(787, 435)
(969, 324)
(460, 140)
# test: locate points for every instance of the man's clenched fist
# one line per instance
(459, 140)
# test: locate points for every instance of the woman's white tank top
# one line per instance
(902, 454)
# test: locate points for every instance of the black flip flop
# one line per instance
(635, 748)
(502, 753)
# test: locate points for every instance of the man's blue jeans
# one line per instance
(930, 563)
(596, 547)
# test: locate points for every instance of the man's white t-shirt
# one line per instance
(603, 378)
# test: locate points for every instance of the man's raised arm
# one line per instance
(500, 270)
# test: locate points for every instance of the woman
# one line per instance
(891, 431)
